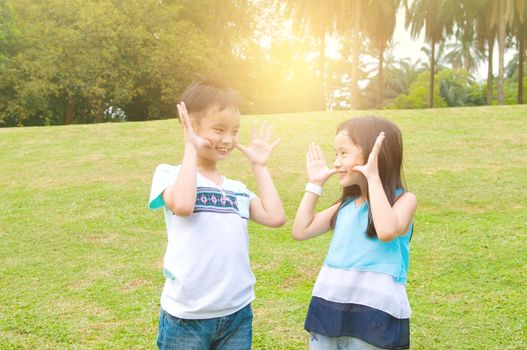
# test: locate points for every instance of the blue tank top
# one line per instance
(351, 248)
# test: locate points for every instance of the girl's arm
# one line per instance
(180, 197)
(389, 221)
(307, 223)
(267, 209)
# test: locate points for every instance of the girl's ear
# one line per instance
(360, 157)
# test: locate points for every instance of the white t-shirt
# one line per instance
(207, 257)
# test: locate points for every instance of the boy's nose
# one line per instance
(227, 139)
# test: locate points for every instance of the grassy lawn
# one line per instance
(81, 255)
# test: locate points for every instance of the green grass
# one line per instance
(81, 255)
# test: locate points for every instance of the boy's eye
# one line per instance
(218, 129)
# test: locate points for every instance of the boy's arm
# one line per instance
(180, 197)
(309, 224)
(389, 221)
(267, 209)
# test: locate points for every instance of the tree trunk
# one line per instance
(380, 80)
(501, 49)
(99, 112)
(322, 68)
(355, 64)
(520, 70)
(490, 75)
(69, 109)
(432, 75)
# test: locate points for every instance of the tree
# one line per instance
(417, 96)
(401, 76)
(318, 18)
(519, 30)
(502, 14)
(464, 52)
(379, 25)
(437, 18)
(486, 34)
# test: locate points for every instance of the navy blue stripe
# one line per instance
(374, 326)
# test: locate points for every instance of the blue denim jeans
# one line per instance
(232, 332)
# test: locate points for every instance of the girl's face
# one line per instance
(347, 155)
(221, 129)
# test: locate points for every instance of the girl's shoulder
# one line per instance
(400, 192)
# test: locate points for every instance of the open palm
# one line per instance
(259, 150)
(371, 168)
(190, 135)
(317, 169)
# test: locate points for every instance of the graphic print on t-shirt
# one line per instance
(209, 199)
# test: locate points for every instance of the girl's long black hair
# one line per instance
(363, 132)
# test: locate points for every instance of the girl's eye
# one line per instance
(218, 130)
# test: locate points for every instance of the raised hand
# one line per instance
(371, 169)
(191, 138)
(317, 169)
(259, 149)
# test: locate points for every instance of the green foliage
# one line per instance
(418, 95)
(77, 59)
(452, 88)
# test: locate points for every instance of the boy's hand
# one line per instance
(317, 169)
(191, 138)
(370, 169)
(259, 150)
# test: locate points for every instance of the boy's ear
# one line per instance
(193, 121)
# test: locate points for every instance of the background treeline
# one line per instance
(74, 61)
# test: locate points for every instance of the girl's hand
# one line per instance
(191, 138)
(370, 169)
(259, 150)
(317, 169)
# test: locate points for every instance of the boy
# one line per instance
(206, 298)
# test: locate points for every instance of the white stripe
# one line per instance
(373, 289)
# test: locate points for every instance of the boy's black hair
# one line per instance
(203, 95)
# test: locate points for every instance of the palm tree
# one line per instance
(379, 25)
(520, 32)
(464, 53)
(353, 9)
(437, 18)
(318, 18)
(402, 77)
(502, 14)
(486, 34)
(440, 61)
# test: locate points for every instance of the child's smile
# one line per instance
(347, 156)
(220, 128)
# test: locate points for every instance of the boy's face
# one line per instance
(347, 156)
(221, 129)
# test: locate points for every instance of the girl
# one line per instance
(359, 300)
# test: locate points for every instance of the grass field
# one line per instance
(81, 255)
